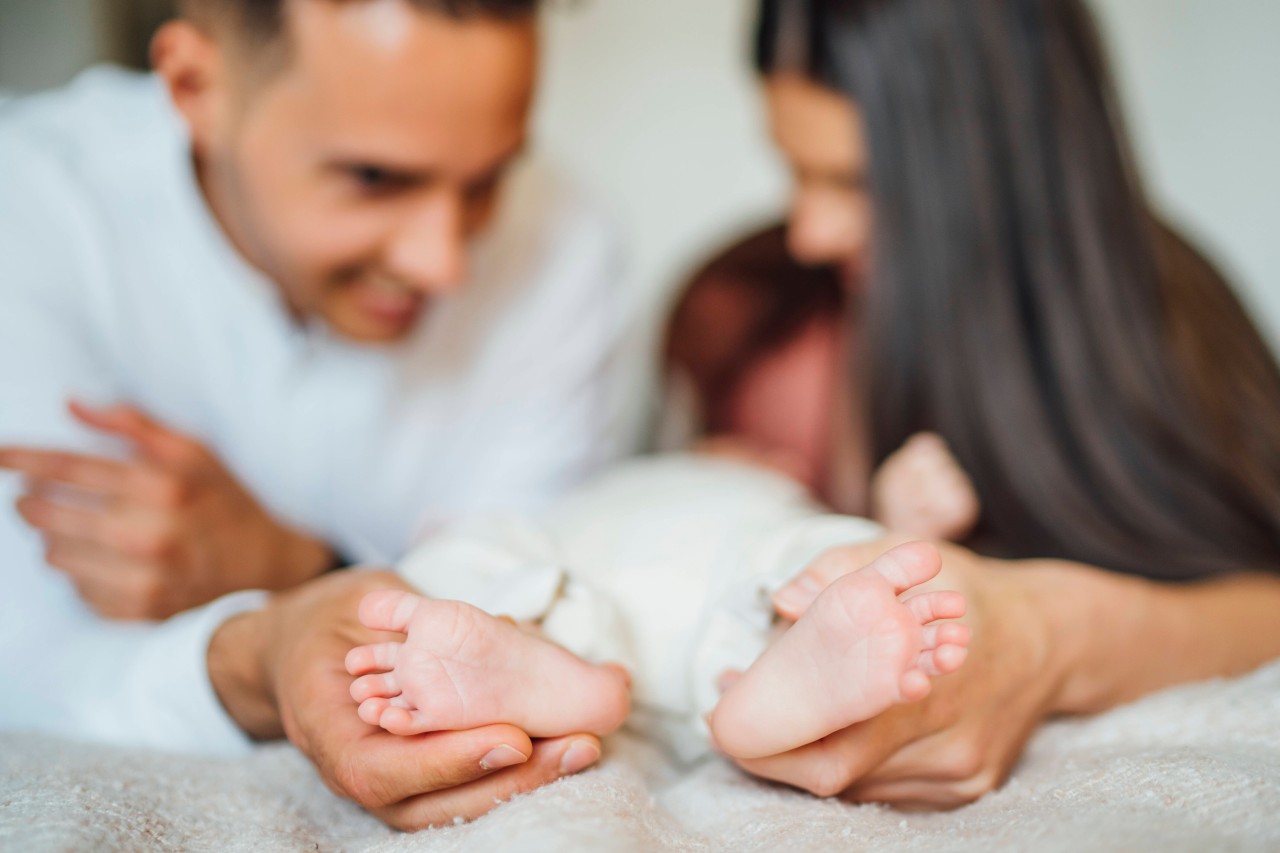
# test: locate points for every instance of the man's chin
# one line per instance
(362, 328)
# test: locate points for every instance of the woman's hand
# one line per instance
(965, 737)
(280, 672)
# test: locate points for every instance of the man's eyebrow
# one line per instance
(392, 169)
(421, 173)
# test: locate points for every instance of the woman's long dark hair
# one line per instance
(1111, 400)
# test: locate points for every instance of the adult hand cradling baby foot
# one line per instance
(964, 738)
(874, 624)
(280, 672)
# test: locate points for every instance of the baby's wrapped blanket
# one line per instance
(1194, 769)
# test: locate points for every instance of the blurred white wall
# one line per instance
(1199, 80)
(652, 102)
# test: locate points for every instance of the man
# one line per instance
(294, 324)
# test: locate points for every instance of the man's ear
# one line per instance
(193, 66)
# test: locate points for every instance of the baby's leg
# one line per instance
(855, 652)
(460, 668)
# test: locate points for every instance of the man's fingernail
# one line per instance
(503, 756)
(578, 757)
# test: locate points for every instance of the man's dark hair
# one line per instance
(263, 20)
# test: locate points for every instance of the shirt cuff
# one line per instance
(189, 716)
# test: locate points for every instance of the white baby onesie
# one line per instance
(665, 565)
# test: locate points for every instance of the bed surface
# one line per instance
(1192, 769)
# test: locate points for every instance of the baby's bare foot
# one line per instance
(460, 668)
(922, 491)
(855, 652)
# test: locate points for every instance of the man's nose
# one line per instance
(428, 251)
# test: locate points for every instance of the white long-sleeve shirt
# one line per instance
(116, 285)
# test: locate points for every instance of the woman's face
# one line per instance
(820, 133)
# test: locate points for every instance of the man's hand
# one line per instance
(152, 537)
(280, 671)
(964, 739)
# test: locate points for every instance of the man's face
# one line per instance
(355, 175)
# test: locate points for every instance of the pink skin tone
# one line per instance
(922, 491)
(864, 643)
(780, 416)
(858, 649)
(461, 668)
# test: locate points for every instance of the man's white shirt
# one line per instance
(116, 285)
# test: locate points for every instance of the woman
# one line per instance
(1006, 285)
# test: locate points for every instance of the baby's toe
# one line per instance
(914, 685)
(375, 686)
(907, 566)
(620, 672)
(378, 657)
(389, 610)
(932, 606)
(942, 660)
(948, 633)
(371, 710)
(404, 721)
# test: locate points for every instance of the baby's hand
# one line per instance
(922, 491)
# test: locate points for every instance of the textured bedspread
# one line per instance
(1194, 769)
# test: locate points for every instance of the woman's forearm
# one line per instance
(1118, 638)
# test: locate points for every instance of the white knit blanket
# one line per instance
(1194, 769)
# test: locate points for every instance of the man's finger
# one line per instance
(131, 530)
(919, 793)
(386, 769)
(95, 477)
(61, 520)
(905, 796)
(551, 760)
(114, 586)
(91, 473)
(155, 440)
(124, 421)
(111, 599)
(89, 560)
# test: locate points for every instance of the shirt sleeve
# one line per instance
(64, 670)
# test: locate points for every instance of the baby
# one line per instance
(651, 585)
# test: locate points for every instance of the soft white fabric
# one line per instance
(116, 285)
(665, 565)
(1188, 771)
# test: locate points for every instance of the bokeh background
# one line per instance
(651, 103)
